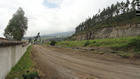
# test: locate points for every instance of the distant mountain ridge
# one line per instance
(55, 35)
(62, 34)
(58, 35)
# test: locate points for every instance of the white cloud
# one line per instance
(51, 20)
(55, 1)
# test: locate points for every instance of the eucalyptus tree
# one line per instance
(17, 26)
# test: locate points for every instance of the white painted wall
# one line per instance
(9, 56)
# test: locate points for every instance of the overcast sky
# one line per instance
(51, 16)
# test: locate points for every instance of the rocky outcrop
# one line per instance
(110, 32)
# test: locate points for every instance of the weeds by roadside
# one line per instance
(118, 44)
(24, 68)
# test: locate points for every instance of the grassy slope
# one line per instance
(24, 64)
(132, 43)
(110, 42)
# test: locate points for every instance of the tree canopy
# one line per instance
(17, 26)
(114, 15)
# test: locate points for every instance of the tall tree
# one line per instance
(114, 15)
(17, 26)
(127, 5)
(133, 4)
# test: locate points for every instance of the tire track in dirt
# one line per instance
(68, 67)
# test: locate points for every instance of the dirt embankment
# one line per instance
(62, 63)
(109, 32)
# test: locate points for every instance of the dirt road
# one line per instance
(57, 63)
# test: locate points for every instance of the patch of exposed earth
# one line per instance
(62, 63)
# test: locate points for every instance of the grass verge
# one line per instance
(110, 42)
(23, 67)
(125, 44)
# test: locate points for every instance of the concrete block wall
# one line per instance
(9, 56)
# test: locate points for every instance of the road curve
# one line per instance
(57, 65)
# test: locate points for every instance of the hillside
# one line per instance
(115, 29)
(117, 20)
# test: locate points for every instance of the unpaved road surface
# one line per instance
(57, 63)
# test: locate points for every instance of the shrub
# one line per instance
(94, 41)
(52, 43)
(31, 75)
(135, 43)
(86, 43)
